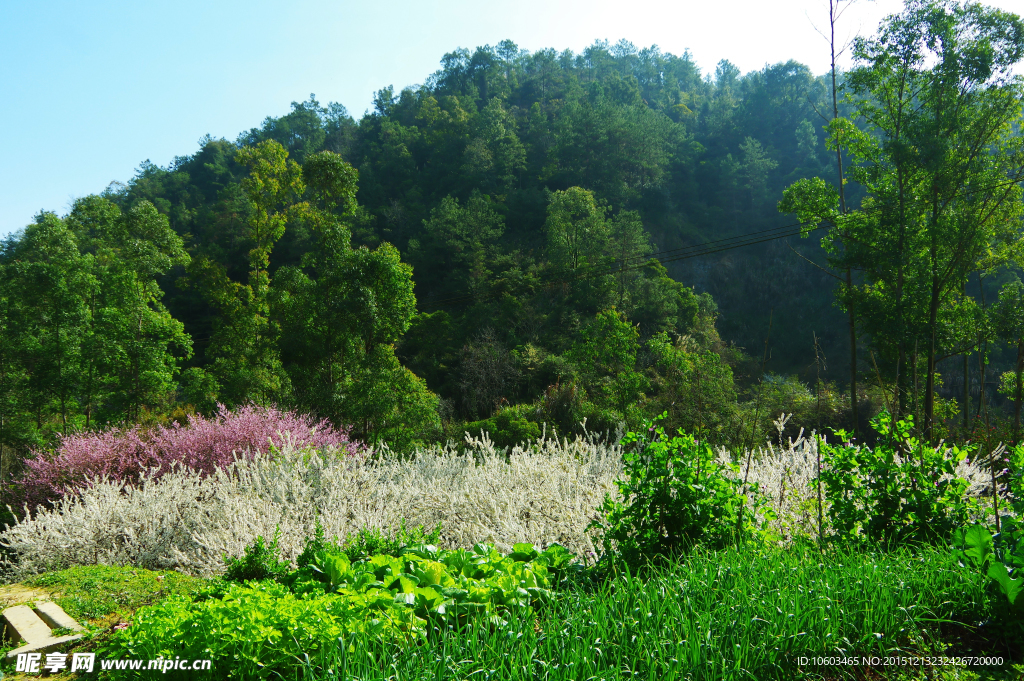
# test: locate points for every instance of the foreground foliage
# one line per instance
(263, 627)
(731, 614)
(675, 494)
(901, 490)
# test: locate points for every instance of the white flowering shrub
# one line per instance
(787, 475)
(545, 492)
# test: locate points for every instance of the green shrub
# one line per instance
(509, 427)
(260, 562)
(674, 496)
(895, 492)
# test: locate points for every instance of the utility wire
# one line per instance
(695, 251)
(660, 254)
(681, 253)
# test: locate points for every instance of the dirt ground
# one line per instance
(15, 594)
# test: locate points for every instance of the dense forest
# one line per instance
(534, 240)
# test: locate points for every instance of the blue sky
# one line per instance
(92, 89)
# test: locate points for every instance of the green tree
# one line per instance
(694, 386)
(940, 162)
(343, 312)
(629, 243)
(755, 167)
(495, 157)
(606, 354)
(460, 247)
(48, 281)
(577, 229)
(129, 353)
(15, 432)
(244, 345)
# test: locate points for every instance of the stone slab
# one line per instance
(23, 624)
(55, 617)
(47, 645)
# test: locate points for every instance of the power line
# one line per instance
(696, 251)
(684, 253)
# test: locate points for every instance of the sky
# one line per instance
(90, 90)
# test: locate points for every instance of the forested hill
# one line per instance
(510, 247)
(625, 153)
(693, 157)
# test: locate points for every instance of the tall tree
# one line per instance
(47, 282)
(835, 11)
(129, 356)
(1008, 320)
(957, 158)
(577, 229)
(343, 312)
(244, 348)
(940, 162)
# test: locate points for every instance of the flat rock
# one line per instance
(47, 645)
(55, 617)
(23, 624)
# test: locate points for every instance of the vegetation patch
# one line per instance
(105, 593)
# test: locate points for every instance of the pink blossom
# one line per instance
(203, 444)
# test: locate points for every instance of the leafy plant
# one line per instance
(901, 490)
(260, 562)
(999, 556)
(369, 542)
(257, 629)
(675, 495)
(263, 627)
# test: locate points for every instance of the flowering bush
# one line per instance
(542, 493)
(203, 444)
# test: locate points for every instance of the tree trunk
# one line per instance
(917, 389)
(967, 395)
(982, 411)
(929, 381)
(984, 352)
(833, 7)
(853, 360)
(1019, 370)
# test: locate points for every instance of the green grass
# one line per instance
(725, 615)
(100, 596)
(104, 592)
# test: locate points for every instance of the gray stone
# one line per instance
(47, 645)
(55, 617)
(23, 624)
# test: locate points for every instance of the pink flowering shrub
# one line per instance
(203, 444)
